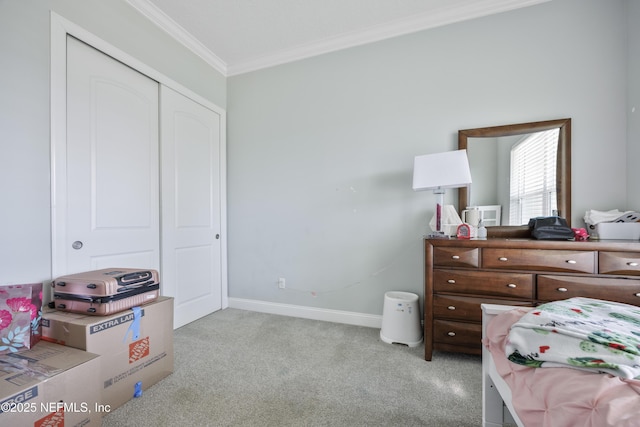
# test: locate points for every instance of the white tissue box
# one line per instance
(450, 229)
(615, 231)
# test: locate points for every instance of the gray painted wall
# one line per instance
(25, 231)
(633, 106)
(320, 151)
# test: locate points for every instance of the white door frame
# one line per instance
(60, 27)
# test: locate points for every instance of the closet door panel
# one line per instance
(112, 160)
(191, 206)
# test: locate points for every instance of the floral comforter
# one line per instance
(581, 333)
(561, 397)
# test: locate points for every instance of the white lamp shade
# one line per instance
(441, 170)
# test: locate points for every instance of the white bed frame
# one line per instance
(497, 409)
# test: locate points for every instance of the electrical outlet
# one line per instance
(281, 283)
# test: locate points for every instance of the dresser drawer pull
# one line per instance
(451, 307)
(503, 258)
(572, 261)
(451, 334)
(451, 281)
(638, 294)
(512, 285)
(456, 257)
(562, 289)
(632, 264)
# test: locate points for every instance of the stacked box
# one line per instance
(50, 385)
(135, 345)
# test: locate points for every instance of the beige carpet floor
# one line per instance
(242, 368)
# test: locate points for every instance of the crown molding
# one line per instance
(408, 25)
(168, 25)
(399, 27)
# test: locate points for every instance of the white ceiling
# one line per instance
(238, 36)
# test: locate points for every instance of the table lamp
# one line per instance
(438, 172)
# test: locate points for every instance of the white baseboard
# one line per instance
(338, 316)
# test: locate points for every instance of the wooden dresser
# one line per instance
(462, 274)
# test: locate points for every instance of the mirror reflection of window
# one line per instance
(533, 190)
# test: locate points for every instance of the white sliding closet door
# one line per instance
(138, 168)
(112, 177)
(191, 206)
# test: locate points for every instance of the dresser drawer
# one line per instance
(461, 275)
(552, 288)
(540, 259)
(508, 285)
(623, 263)
(456, 257)
(457, 333)
(466, 308)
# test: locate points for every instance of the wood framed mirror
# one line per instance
(473, 140)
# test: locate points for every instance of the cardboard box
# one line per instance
(135, 345)
(615, 231)
(50, 385)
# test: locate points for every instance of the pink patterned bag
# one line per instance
(20, 317)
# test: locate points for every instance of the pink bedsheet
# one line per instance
(558, 397)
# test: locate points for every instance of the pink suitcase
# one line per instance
(106, 291)
(101, 306)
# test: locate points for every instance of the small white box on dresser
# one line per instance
(615, 231)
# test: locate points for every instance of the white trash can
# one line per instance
(401, 319)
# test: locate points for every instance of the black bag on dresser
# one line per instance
(550, 228)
